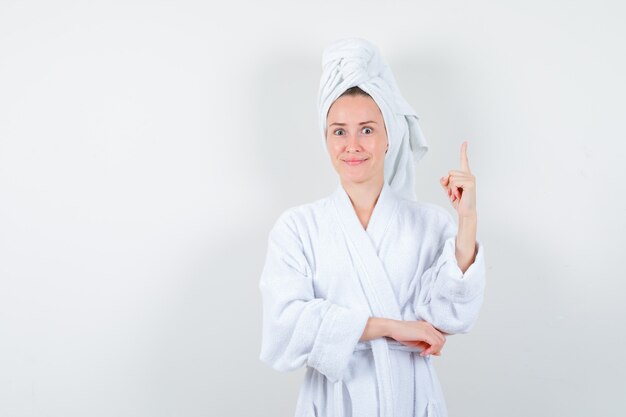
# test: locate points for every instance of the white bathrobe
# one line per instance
(324, 276)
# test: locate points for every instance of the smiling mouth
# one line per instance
(353, 162)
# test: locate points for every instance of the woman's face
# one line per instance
(356, 139)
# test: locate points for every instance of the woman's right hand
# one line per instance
(418, 333)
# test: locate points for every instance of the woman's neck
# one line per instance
(364, 197)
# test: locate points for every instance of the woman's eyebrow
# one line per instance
(362, 123)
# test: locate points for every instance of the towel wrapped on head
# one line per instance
(350, 62)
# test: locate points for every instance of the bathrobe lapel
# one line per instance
(363, 246)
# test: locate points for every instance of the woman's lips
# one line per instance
(352, 162)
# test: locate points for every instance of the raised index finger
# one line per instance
(464, 161)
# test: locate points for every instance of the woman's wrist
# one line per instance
(377, 327)
(466, 241)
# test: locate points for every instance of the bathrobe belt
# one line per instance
(392, 344)
(338, 385)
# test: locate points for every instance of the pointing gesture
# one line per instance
(464, 161)
(461, 187)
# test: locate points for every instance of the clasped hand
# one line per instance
(420, 334)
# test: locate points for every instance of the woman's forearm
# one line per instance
(466, 242)
(376, 327)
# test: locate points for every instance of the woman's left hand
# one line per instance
(461, 187)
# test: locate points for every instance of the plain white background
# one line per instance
(146, 148)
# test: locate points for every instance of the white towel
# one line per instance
(353, 61)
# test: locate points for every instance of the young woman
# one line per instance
(363, 286)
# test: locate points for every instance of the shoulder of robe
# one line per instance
(285, 222)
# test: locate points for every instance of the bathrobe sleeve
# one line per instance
(449, 299)
(298, 328)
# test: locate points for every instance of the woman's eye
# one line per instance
(338, 130)
(369, 130)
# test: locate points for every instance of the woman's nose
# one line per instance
(352, 142)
